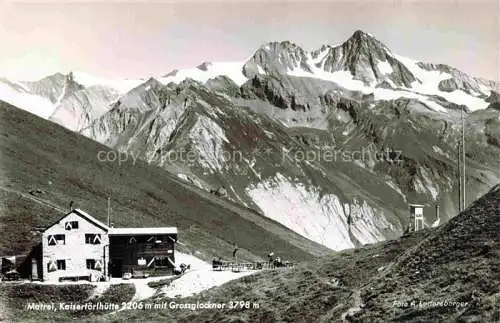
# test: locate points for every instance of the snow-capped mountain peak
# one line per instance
(204, 66)
(361, 63)
(276, 58)
(367, 59)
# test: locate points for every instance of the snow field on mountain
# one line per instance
(429, 86)
(68, 117)
(76, 111)
(233, 70)
(430, 81)
(385, 94)
(418, 91)
(35, 104)
(343, 78)
(122, 86)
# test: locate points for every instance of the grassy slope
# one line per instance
(459, 262)
(456, 262)
(306, 294)
(39, 154)
(18, 296)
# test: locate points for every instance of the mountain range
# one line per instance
(331, 143)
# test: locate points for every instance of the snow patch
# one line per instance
(233, 70)
(344, 78)
(384, 67)
(386, 94)
(199, 278)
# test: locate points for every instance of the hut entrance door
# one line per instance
(117, 268)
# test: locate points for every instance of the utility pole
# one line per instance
(109, 207)
(463, 159)
(235, 255)
(459, 156)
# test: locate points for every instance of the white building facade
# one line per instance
(417, 217)
(76, 246)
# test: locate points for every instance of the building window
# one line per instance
(51, 266)
(161, 262)
(61, 265)
(90, 263)
(56, 239)
(93, 238)
(52, 240)
(158, 242)
(72, 225)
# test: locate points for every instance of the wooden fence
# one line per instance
(245, 266)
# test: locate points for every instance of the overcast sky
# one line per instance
(127, 40)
